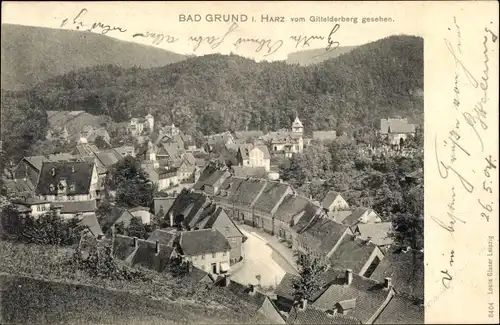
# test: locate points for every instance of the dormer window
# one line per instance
(72, 169)
(52, 187)
(61, 186)
(72, 187)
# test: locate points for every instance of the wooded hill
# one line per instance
(214, 93)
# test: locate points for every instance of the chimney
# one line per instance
(387, 283)
(252, 290)
(136, 242)
(157, 247)
(53, 170)
(226, 280)
(171, 217)
(190, 266)
(331, 312)
(302, 304)
(348, 276)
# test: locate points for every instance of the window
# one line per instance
(214, 255)
(202, 257)
(224, 254)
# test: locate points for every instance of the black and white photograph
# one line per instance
(172, 164)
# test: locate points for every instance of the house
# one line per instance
(18, 187)
(333, 201)
(125, 151)
(396, 130)
(89, 134)
(405, 266)
(222, 139)
(401, 310)
(254, 156)
(142, 213)
(116, 216)
(85, 149)
(338, 215)
(161, 206)
(289, 213)
(360, 256)
(322, 136)
(163, 236)
(211, 180)
(225, 195)
(247, 136)
(254, 300)
(186, 168)
(356, 296)
(285, 142)
(89, 221)
(244, 199)
(68, 125)
(139, 125)
(377, 233)
(170, 130)
(297, 126)
(361, 215)
(33, 206)
(29, 168)
(321, 237)
(206, 249)
(71, 185)
(220, 221)
(267, 203)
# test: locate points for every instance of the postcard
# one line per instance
(249, 162)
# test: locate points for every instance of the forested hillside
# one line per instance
(308, 57)
(31, 55)
(215, 93)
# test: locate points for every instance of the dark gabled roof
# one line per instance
(352, 219)
(270, 198)
(163, 204)
(220, 221)
(406, 271)
(311, 213)
(184, 202)
(248, 191)
(116, 214)
(285, 287)
(312, 315)
(78, 175)
(290, 207)
(322, 235)
(329, 198)
(255, 300)
(196, 276)
(91, 223)
(29, 201)
(401, 310)
(76, 206)
(228, 188)
(352, 254)
(163, 236)
(146, 256)
(370, 296)
(339, 216)
(123, 247)
(204, 241)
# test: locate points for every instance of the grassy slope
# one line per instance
(35, 278)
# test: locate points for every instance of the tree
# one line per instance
(409, 225)
(311, 269)
(137, 229)
(132, 186)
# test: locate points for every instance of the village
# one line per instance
(234, 225)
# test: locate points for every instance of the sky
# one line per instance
(158, 21)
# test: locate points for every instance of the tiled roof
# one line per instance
(204, 241)
(291, 206)
(117, 213)
(37, 161)
(73, 121)
(76, 206)
(244, 150)
(406, 271)
(377, 232)
(352, 219)
(17, 186)
(401, 311)
(123, 247)
(244, 171)
(255, 300)
(228, 189)
(270, 198)
(90, 221)
(324, 135)
(221, 221)
(370, 296)
(265, 151)
(196, 276)
(307, 218)
(285, 287)
(78, 176)
(29, 201)
(248, 191)
(312, 315)
(329, 198)
(163, 204)
(146, 256)
(322, 235)
(248, 134)
(163, 236)
(339, 216)
(352, 254)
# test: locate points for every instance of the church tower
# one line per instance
(151, 121)
(297, 126)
